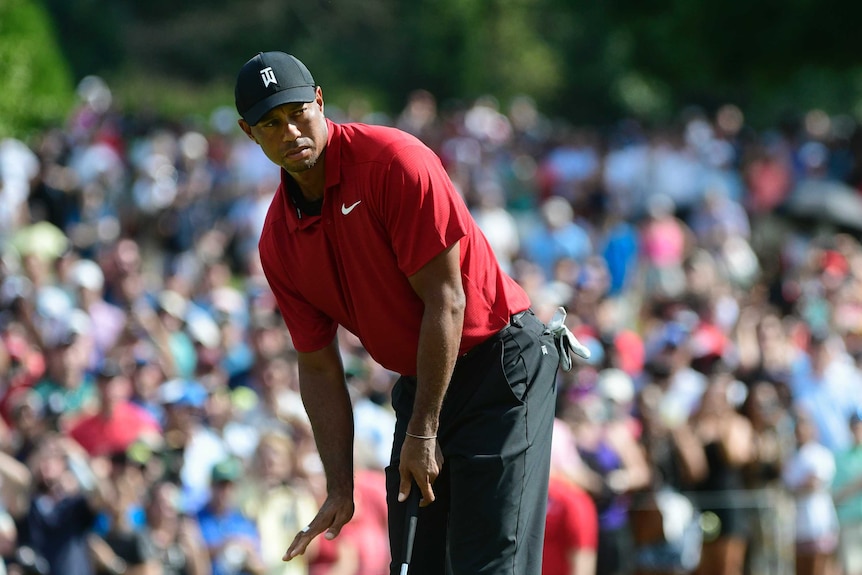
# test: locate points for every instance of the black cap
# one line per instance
(268, 80)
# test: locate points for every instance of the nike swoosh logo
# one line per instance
(347, 209)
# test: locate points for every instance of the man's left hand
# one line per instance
(421, 460)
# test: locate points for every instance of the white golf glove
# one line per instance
(565, 340)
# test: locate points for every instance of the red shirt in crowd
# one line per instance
(571, 524)
(102, 435)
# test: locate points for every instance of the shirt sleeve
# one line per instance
(423, 211)
(310, 329)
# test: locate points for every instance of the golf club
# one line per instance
(411, 517)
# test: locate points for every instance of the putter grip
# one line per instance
(411, 517)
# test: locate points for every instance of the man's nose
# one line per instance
(291, 132)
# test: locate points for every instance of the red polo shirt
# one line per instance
(101, 435)
(571, 524)
(388, 209)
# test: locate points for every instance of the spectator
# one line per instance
(55, 502)
(222, 421)
(773, 444)
(847, 494)
(27, 425)
(556, 237)
(118, 422)
(174, 538)
(664, 241)
(18, 166)
(669, 367)
(147, 377)
(373, 422)
(278, 499)
(769, 179)
(620, 250)
(89, 280)
(665, 524)
(66, 390)
(715, 473)
(826, 385)
(808, 475)
(419, 117)
(773, 435)
(171, 313)
(191, 450)
(118, 536)
(231, 538)
(571, 523)
(279, 407)
(765, 350)
(496, 222)
(610, 450)
(571, 166)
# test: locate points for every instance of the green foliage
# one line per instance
(37, 86)
(146, 93)
(585, 61)
(91, 33)
(507, 54)
(769, 56)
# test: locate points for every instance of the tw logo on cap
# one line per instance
(268, 77)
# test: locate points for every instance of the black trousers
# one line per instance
(495, 434)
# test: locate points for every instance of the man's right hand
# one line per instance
(335, 512)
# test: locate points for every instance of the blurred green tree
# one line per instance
(37, 84)
(770, 57)
(585, 61)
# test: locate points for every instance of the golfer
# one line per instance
(366, 231)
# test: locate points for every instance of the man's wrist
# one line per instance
(423, 437)
(422, 426)
(340, 489)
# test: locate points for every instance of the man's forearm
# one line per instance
(439, 342)
(327, 403)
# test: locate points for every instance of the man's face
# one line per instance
(292, 136)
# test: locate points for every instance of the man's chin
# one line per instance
(300, 166)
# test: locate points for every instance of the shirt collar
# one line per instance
(333, 154)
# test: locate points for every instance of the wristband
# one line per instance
(420, 436)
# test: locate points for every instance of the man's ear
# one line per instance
(246, 128)
(318, 97)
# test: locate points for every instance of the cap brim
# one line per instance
(287, 96)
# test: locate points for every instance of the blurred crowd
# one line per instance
(150, 420)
